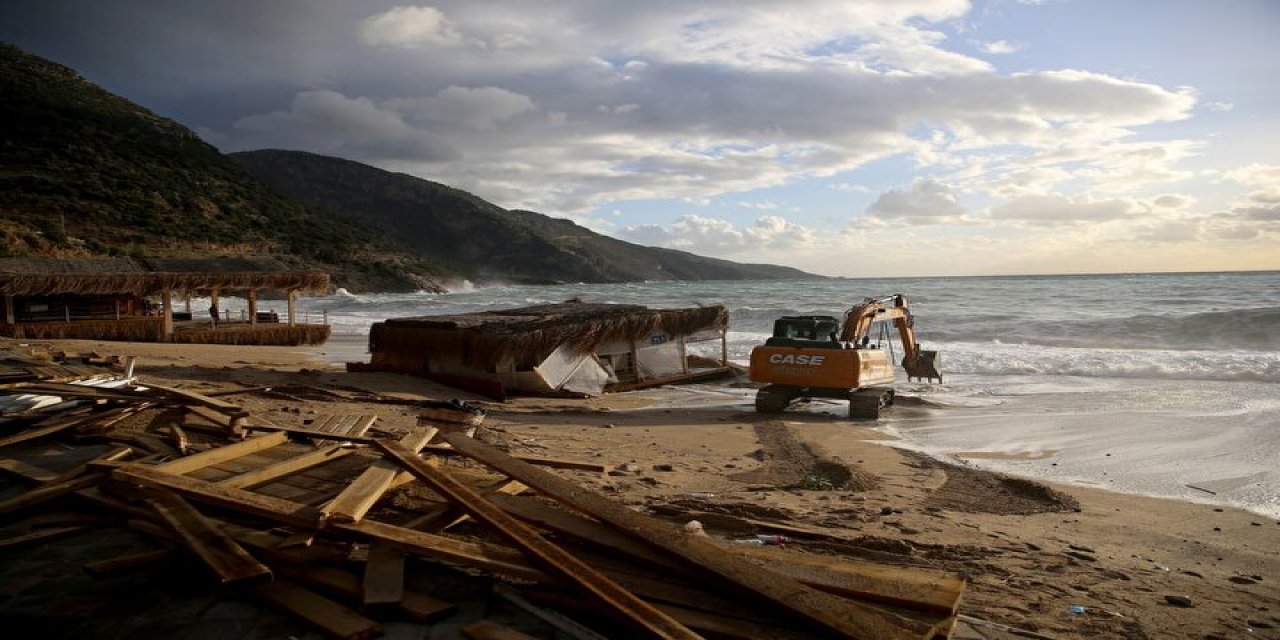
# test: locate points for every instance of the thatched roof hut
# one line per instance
(505, 345)
(148, 276)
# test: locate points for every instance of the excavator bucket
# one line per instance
(923, 366)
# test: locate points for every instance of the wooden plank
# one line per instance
(554, 463)
(28, 472)
(229, 409)
(222, 454)
(321, 422)
(362, 424)
(489, 630)
(308, 432)
(314, 609)
(483, 556)
(263, 475)
(383, 576)
(366, 490)
(620, 601)
(561, 622)
(216, 549)
(122, 564)
(913, 587)
(55, 427)
(443, 517)
(274, 509)
(47, 492)
(41, 536)
(836, 614)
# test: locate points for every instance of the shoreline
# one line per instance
(1031, 549)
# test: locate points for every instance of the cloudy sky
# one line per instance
(844, 137)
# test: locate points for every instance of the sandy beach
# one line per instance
(1061, 560)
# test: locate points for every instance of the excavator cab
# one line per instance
(805, 331)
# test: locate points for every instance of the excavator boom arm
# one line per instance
(859, 320)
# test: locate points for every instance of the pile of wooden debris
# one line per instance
(327, 521)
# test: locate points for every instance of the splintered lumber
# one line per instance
(366, 490)
(263, 475)
(308, 432)
(274, 509)
(620, 601)
(326, 615)
(223, 407)
(222, 454)
(483, 556)
(489, 630)
(912, 587)
(383, 576)
(554, 463)
(216, 549)
(847, 617)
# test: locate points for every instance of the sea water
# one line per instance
(1160, 384)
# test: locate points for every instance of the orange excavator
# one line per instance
(816, 357)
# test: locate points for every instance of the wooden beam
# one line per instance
(619, 600)
(326, 615)
(166, 311)
(554, 463)
(216, 549)
(836, 614)
(490, 630)
(263, 475)
(122, 564)
(222, 454)
(309, 433)
(274, 509)
(383, 576)
(47, 492)
(443, 517)
(40, 537)
(483, 556)
(28, 472)
(48, 428)
(912, 587)
(366, 490)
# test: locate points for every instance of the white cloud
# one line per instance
(1255, 175)
(1054, 209)
(331, 123)
(714, 236)
(924, 202)
(998, 47)
(480, 108)
(409, 27)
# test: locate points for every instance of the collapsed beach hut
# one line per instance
(111, 299)
(571, 347)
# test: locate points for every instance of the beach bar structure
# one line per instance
(133, 299)
(572, 347)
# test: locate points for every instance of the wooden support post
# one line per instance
(364, 492)
(166, 308)
(607, 592)
(252, 297)
(216, 549)
(293, 306)
(117, 310)
(848, 618)
(8, 310)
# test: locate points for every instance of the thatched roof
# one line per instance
(105, 276)
(530, 334)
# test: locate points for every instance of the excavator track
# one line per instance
(866, 404)
(773, 399)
